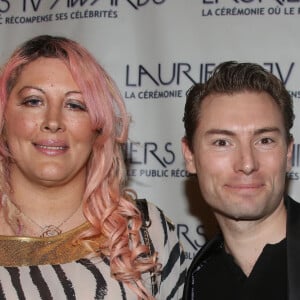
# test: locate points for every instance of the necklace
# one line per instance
(15, 216)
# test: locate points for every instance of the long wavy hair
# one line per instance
(106, 204)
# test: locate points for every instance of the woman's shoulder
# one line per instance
(153, 213)
(161, 230)
(163, 239)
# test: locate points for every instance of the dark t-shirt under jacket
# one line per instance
(221, 278)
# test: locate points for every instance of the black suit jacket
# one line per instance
(293, 252)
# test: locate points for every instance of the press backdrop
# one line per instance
(155, 50)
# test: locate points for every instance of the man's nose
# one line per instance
(246, 160)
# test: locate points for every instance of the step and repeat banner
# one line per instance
(156, 50)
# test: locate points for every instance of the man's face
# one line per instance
(240, 155)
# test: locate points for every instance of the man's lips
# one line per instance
(245, 186)
(244, 189)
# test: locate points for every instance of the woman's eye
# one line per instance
(76, 106)
(31, 102)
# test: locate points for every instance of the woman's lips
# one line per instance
(51, 147)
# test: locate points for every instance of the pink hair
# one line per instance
(106, 203)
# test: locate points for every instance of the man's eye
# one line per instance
(220, 143)
(266, 141)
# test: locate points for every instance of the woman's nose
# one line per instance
(53, 120)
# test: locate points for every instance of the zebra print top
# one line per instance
(89, 278)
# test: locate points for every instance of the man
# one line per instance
(239, 144)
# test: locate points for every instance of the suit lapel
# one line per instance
(293, 249)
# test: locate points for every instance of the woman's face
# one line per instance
(47, 126)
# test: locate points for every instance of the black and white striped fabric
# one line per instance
(88, 279)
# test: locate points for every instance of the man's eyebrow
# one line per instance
(219, 131)
(266, 130)
(232, 133)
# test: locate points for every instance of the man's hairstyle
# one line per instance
(232, 77)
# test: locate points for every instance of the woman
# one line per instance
(69, 229)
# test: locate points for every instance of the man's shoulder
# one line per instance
(293, 208)
(210, 249)
(289, 201)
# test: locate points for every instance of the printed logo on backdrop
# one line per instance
(33, 11)
(221, 8)
(286, 72)
(158, 160)
(294, 175)
(164, 80)
(191, 239)
(160, 156)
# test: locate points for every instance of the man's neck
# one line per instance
(245, 240)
